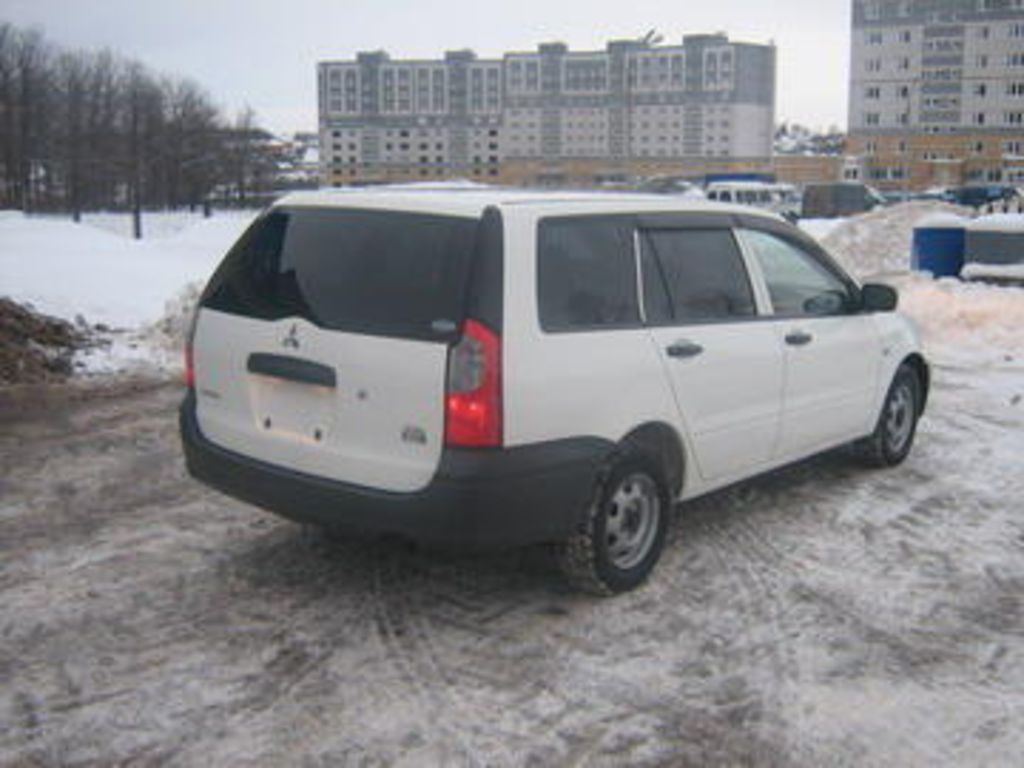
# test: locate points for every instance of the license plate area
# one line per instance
(294, 411)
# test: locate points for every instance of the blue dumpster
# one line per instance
(939, 245)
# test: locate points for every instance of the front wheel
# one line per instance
(622, 536)
(894, 433)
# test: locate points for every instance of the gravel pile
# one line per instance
(35, 348)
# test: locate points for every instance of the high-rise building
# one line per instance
(551, 115)
(937, 92)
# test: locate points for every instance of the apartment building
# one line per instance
(937, 92)
(550, 116)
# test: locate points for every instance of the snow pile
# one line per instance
(965, 320)
(73, 271)
(982, 271)
(999, 222)
(880, 241)
(116, 288)
(166, 337)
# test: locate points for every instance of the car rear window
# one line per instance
(382, 273)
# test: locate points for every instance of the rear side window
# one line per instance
(376, 272)
(586, 274)
(694, 275)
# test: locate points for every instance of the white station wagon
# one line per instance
(498, 368)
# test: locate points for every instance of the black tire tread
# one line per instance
(577, 556)
(871, 451)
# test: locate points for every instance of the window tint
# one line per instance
(701, 275)
(797, 282)
(586, 274)
(376, 272)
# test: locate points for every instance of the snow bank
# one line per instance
(999, 222)
(981, 271)
(880, 241)
(73, 270)
(820, 228)
(971, 322)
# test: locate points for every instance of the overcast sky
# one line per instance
(263, 52)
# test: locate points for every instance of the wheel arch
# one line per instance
(917, 363)
(660, 443)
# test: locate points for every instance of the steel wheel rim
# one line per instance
(899, 417)
(631, 520)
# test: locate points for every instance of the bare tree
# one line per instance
(82, 130)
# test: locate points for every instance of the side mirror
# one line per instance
(876, 297)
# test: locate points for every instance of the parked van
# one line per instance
(847, 198)
(782, 199)
(492, 368)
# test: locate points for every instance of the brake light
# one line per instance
(190, 362)
(190, 366)
(473, 401)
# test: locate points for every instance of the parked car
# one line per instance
(847, 198)
(492, 369)
(980, 195)
(782, 199)
(671, 185)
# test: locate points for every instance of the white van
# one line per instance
(494, 368)
(782, 199)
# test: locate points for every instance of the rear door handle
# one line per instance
(798, 338)
(292, 369)
(684, 348)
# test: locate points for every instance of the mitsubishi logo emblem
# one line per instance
(292, 339)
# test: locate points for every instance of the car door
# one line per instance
(832, 351)
(725, 367)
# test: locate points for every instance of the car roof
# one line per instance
(471, 201)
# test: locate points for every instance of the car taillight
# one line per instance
(473, 400)
(190, 367)
(190, 362)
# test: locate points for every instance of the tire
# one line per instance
(623, 533)
(894, 433)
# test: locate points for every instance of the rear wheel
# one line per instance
(894, 433)
(624, 531)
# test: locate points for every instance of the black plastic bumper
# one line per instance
(479, 499)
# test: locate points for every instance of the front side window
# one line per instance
(586, 274)
(798, 283)
(694, 275)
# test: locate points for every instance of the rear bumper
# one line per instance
(478, 500)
